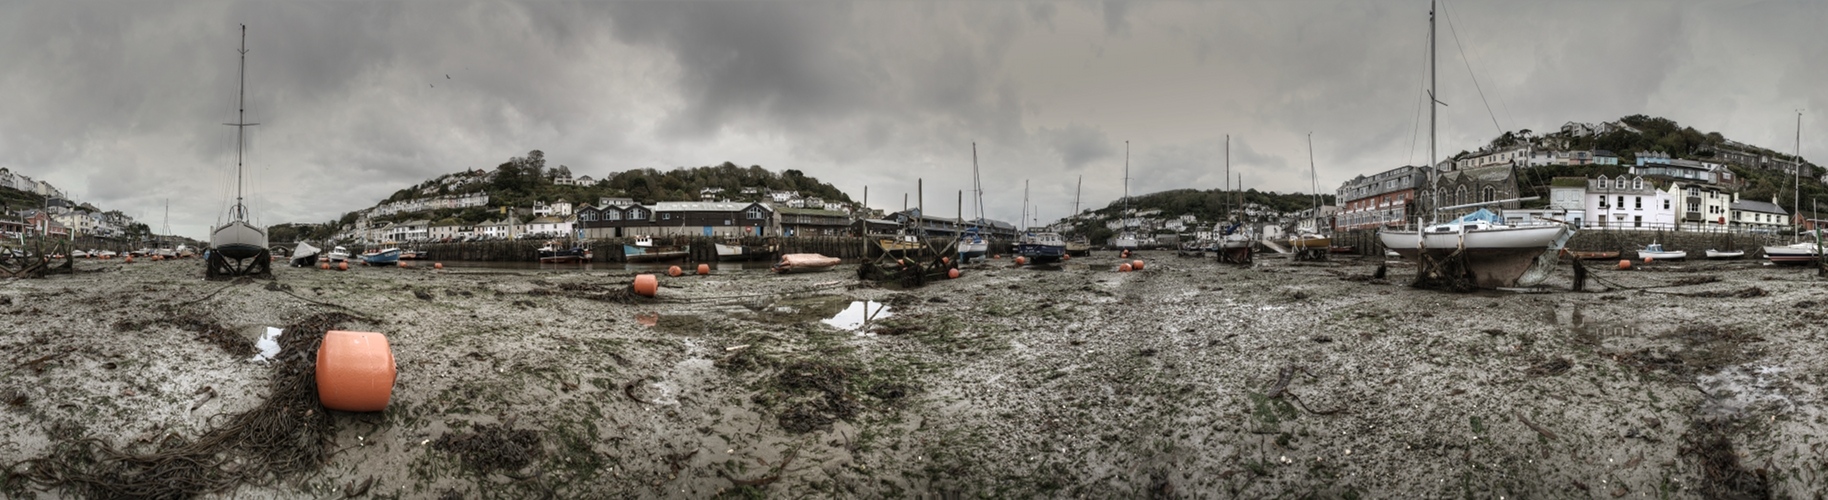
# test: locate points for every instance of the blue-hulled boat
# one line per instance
(644, 250)
(1041, 248)
(383, 257)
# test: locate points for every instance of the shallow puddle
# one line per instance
(267, 346)
(859, 314)
(647, 318)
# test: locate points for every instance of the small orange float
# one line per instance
(674, 271)
(647, 285)
(704, 269)
(324, 266)
(1624, 264)
(342, 266)
(1136, 265)
(355, 371)
(128, 260)
(952, 274)
(1648, 259)
(1020, 260)
(437, 265)
(405, 264)
(1123, 268)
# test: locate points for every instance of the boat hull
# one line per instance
(238, 240)
(632, 253)
(386, 257)
(1497, 258)
(1720, 255)
(1605, 255)
(1041, 254)
(1309, 243)
(1792, 254)
(1676, 255)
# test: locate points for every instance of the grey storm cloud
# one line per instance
(120, 103)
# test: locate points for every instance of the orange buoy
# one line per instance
(704, 269)
(996, 256)
(437, 265)
(1648, 259)
(1136, 265)
(945, 260)
(1020, 260)
(355, 371)
(128, 260)
(1066, 257)
(647, 285)
(342, 266)
(952, 274)
(1624, 264)
(324, 266)
(405, 264)
(1123, 268)
(674, 271)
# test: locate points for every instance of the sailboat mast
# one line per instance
(1434, 200)
(1024, 205)
(1228, 170)
(240, 212)
(977, 186)
(1126, 175)
(1313, 177)
(1796, 191)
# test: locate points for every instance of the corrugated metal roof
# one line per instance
(1758, 206)
(700, 206)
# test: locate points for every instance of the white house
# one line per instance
(1628, 202)
(1516, 155)
(1757, 215)
(551, 226)
(1700, 205)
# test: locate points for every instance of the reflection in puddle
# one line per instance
(858, 314)
(647, 318)
(268, 345)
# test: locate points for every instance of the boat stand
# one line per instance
(909, 268)
(224, 268)
(1306, 254)
(1451, 273)
(40, 263)
(1238, 256)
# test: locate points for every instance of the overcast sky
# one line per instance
(122, 103)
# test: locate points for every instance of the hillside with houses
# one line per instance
(1635, 173)
(524, 199)
(32, 207)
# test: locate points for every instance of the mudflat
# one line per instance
(1187, 379)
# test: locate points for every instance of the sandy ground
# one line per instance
(1188, 379)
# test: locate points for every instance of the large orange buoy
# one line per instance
(1624, 264)
(1123, 268)
(437, 265)
(1020, 260)
(342, 266)
(674, 271)
(647, 285)
(704, 269)
(1136, 265)
(952, 274)
(355, 371)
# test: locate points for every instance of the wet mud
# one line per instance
(1189, 379)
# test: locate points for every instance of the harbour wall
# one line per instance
(1625, 241)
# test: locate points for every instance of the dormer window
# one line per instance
(754, 213)
(1637, 183)
(1603, 182)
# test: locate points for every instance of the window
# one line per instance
(1637, 183)
(1694, 206)
(1602, 182)
(1638, 203)
(754, 213)
(1666, 204)
(1621, 203)
(612, 215)
(666, 216)
(1488, 194)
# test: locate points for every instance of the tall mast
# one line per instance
(1076, 190)
(1126, 176)
(1433, 190)
(976, 185)
(1228, 169)
(1313, 177)
(1024, 205)
(240, 211)
(1796, 203)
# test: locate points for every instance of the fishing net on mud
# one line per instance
(287, 434)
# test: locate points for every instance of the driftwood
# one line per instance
(1286, 375)
(1532, 425)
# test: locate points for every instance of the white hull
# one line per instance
(729, 250)
(1498, 256)
(1797, 252)
(1125, 241)
(1717, 254)
(1676, 255)
(238, 240)
(339, 254)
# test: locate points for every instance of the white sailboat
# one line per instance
(972, 244)
(1495, 255)
(1797, 251)
(1126, 240)
(239, 239)
(1311, 239)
